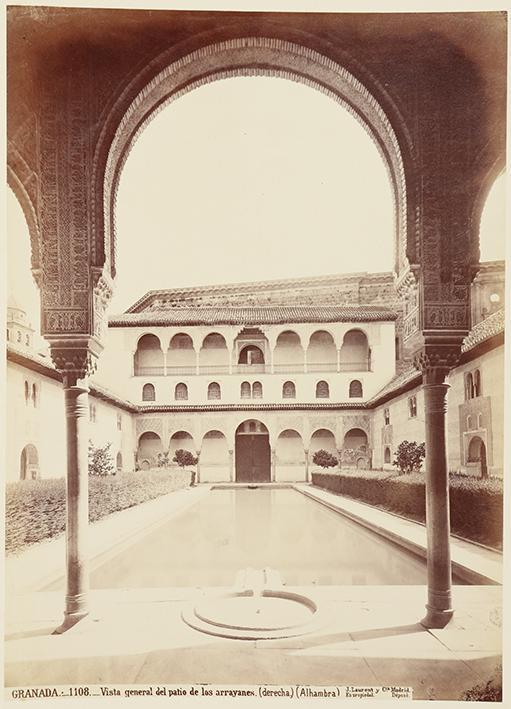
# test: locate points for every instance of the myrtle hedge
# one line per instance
(36, 509)
(476, 504)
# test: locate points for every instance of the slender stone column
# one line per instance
(435, 365)
(231, 466)
(307, 477)
(77, 508)
(273, 465)
(197, 453)
(75, 357)
(338, 359)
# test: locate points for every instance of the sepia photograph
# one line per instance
(255, 382)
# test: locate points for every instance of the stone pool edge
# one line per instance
(471, 562)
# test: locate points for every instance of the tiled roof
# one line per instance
(242, 288)
(407, 379)
(45, 366)
(485, 330)
(489, 327)
(277, 315)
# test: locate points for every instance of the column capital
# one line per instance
(75, 357)
(435, 359)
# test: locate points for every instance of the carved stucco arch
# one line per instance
(242, 57)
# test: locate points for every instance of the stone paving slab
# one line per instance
(368, 639)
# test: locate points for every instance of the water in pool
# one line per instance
(229, 530)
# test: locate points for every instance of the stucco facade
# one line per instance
(263, 386)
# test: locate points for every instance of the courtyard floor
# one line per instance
(370, 635)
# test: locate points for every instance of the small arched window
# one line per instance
(480, 421)
(119, 422)
(245, 390)
(257, 390)
(477, 383)
(386, 416)
(289, 390)
(412, 407)
(181, 392)
(118, 461)
(34, 395)
(322, 390)
(214, 391)
(469, 386)
(470, 423)
(148, 393)
(386, 455)
(8, 334)
(355, 388)
(27, 392)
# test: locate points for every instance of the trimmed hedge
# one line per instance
(476, 504)
(36, 509)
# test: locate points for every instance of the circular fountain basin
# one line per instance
(254, 616)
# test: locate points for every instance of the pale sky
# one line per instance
(247, 179)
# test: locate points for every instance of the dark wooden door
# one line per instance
(252, 458)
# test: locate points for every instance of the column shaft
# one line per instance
(439, 605)
(77, 504)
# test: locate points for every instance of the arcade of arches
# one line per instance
(72, 117)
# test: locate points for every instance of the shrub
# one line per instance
(164, 460)
(409, 456)
(100, 460)
(36, 509)
(476, 505)
(324, 459)
(184, 458)
(489, 692)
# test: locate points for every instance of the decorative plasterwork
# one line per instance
(247, 56)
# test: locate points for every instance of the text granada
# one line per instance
(34, 693)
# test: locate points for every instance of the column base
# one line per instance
(70, 620)
(436, 618)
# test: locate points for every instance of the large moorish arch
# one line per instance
(83, 82)
(245, 57)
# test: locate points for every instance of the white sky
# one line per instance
(246, 179)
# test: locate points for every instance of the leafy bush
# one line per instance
(476, 505)
(324, 459)
(184, 458)
(163, 460)
(36, 509)
(489, 692)
(409, 456)
(100, 460)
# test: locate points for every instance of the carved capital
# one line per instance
(74, 358)
(436, 361)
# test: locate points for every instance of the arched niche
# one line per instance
(321, 352)
(148, 358)
(149, 448)
(181, 357)
(181, 440)
(29, 463)
(288, 355)
(214, 354)
(355, 352)
(322, 439)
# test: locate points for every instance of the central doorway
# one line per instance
(252, 453)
